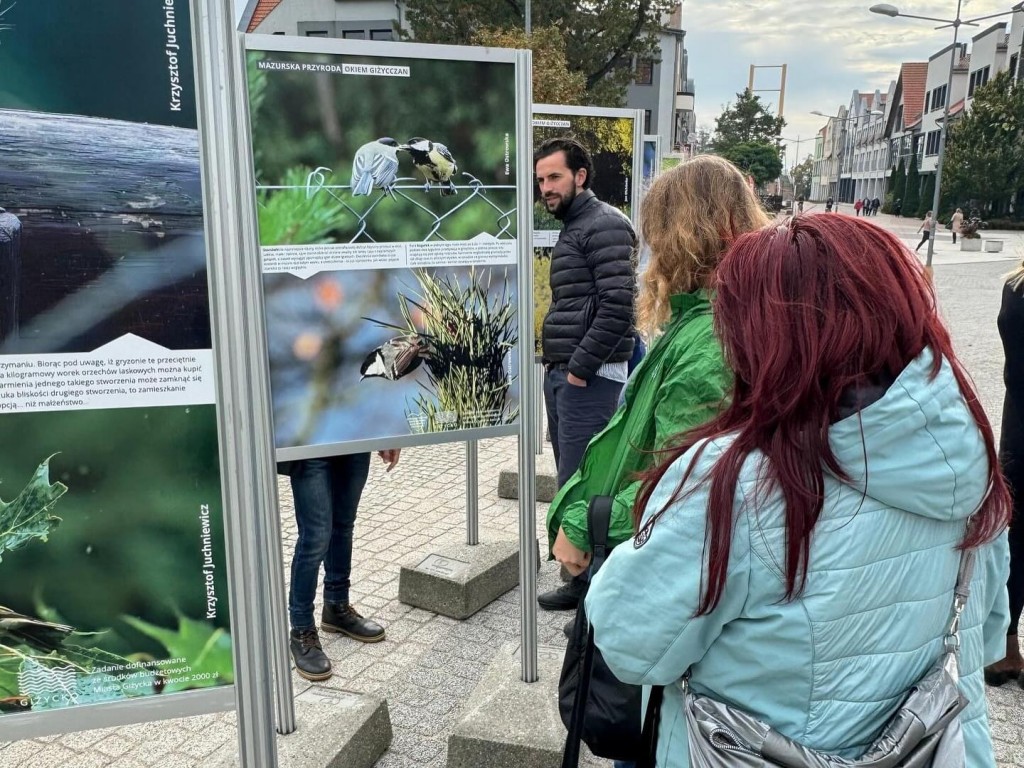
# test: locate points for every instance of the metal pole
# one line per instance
(529, 19)
(472, 494)
(539, 385)
(936, 199)
(527, 468)
(246, 448)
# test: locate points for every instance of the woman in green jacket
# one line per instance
(689, 217)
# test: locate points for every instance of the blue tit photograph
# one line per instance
(346, 156)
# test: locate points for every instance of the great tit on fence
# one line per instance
(395, 358)
(435, 162)
(375, 165)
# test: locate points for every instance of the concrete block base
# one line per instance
(547, 480)
(334, 729)
(457, 579)
(509, 723)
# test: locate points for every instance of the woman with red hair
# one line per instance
(796, 557)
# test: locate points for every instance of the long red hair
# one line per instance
(805, 310)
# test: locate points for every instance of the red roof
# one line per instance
(263, 9)
(914, 76)
(957, 108)
(868, 99)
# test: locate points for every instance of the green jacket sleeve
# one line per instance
(692, 393)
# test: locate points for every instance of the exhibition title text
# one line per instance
(378, 70)
(172, 51)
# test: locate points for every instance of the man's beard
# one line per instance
(563, 205)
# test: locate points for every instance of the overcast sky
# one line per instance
(831, 48)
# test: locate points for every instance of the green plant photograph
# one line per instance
(112, 568)
(428, 154)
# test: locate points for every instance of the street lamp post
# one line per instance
(892, 11)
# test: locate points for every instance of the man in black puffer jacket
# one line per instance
(588, 331)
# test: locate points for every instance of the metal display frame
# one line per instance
(636, 115)
(243, 423)
(397, 50)
(636, 189)
(659, 152)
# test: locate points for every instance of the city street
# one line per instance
(429, 664)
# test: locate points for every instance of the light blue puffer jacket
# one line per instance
(830, 667)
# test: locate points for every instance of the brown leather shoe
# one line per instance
(310, 660)
(346, 620)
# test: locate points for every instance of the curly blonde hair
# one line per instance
(1015, 279)
(689, 217)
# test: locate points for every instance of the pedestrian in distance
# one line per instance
(588, 334)
(926, 230)
(1011, 455)
(690, 215)
(857, 206)
(819, 519)
(956, 223)
(897, 207)
(800, 204)
(828, 205)
(875, 205)
(326, 493)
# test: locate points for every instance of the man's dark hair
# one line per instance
(576, 156)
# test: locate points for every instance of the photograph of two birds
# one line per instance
(359, 354)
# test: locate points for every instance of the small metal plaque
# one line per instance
(445, 567)
(330, 696)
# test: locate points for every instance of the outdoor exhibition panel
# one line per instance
(113, 578)
(388, 194)
(652, 161)
(614, 138)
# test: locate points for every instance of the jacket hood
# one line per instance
(924, 451)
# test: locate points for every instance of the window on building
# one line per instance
(939, 98)
(933, 143)
(1013, 65)
(644, 72)
(382, 34)
(978, 78)
(277, 33)
(354, 34)
(647, 121)
(899, 118)
(316, 33)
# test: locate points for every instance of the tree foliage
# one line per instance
(912, 194)
(553, 81)
(801, 174)
(985, 153)
(601, 39)
(759, 159)
(747, 121)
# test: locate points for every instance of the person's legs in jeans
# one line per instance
(311, 490)
(348, 478)
(582, 413)
(554, 379)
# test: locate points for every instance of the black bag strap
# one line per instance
(599, 518)
(649, 737)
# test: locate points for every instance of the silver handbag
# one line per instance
(923, 733)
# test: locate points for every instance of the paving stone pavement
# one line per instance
(429, 664)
